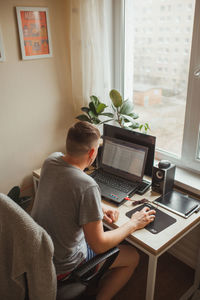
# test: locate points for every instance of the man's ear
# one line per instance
(91, 152)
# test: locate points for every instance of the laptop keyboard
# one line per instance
(114, 181)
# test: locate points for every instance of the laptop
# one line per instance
(121, 169)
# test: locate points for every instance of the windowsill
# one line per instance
(187, 180)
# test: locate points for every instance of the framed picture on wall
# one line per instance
(34, 32)
(2, 54)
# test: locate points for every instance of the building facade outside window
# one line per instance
(161, 46)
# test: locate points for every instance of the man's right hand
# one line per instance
(101, 241)
(143, 217)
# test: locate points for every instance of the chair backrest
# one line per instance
(26, 252)
(83, 280)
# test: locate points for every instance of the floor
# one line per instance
(196, 295)
(173, 279)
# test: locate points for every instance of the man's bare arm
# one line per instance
(101, 241)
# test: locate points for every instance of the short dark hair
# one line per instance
(81, 138)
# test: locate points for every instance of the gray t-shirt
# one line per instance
(66, 199)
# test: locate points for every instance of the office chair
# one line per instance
(27, 271)
(79, 283)
(14, 194)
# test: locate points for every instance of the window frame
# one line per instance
(191, 142)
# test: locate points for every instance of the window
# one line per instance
(198, 148)
(166, 98)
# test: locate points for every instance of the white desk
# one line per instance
(156, 244)
(153, 244)
(36, 178)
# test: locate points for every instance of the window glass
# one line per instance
(198, 148)
(158, 37)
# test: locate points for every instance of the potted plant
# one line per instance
(123, 112)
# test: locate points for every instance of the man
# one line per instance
(68, 206)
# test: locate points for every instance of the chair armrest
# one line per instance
(83, 272)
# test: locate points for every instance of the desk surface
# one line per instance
(156, 243)
(36, 173)
(153, 243)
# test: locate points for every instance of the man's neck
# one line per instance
(76, 162)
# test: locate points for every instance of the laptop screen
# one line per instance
(123, 158)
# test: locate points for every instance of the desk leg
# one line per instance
(151, 277)
(196, 283)
(35, 182)
(197, 273)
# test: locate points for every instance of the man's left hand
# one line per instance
(110, 215)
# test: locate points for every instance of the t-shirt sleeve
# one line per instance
(90, 206)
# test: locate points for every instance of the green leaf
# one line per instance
(146, 125)
(128, 118)
(134, 126)
(107, 114)
(113, 107)
(96, 121)
(140, 127)
(127, 126)
(92, 108)
(100, 108)
(126, 108)
(134, 115)
(95, 100)
(116, 98)
(102, 122)
(126, 121)
(92, 115)
(83, 118)
(85, 110)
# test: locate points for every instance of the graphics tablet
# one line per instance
(178, 203)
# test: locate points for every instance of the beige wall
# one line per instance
(35, 106)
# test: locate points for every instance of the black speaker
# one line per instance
(163, 177)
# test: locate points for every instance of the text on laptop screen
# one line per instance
(124, 158)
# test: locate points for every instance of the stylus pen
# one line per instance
(198, 209)
(193, 209)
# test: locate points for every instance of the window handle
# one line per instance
(197, 72)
